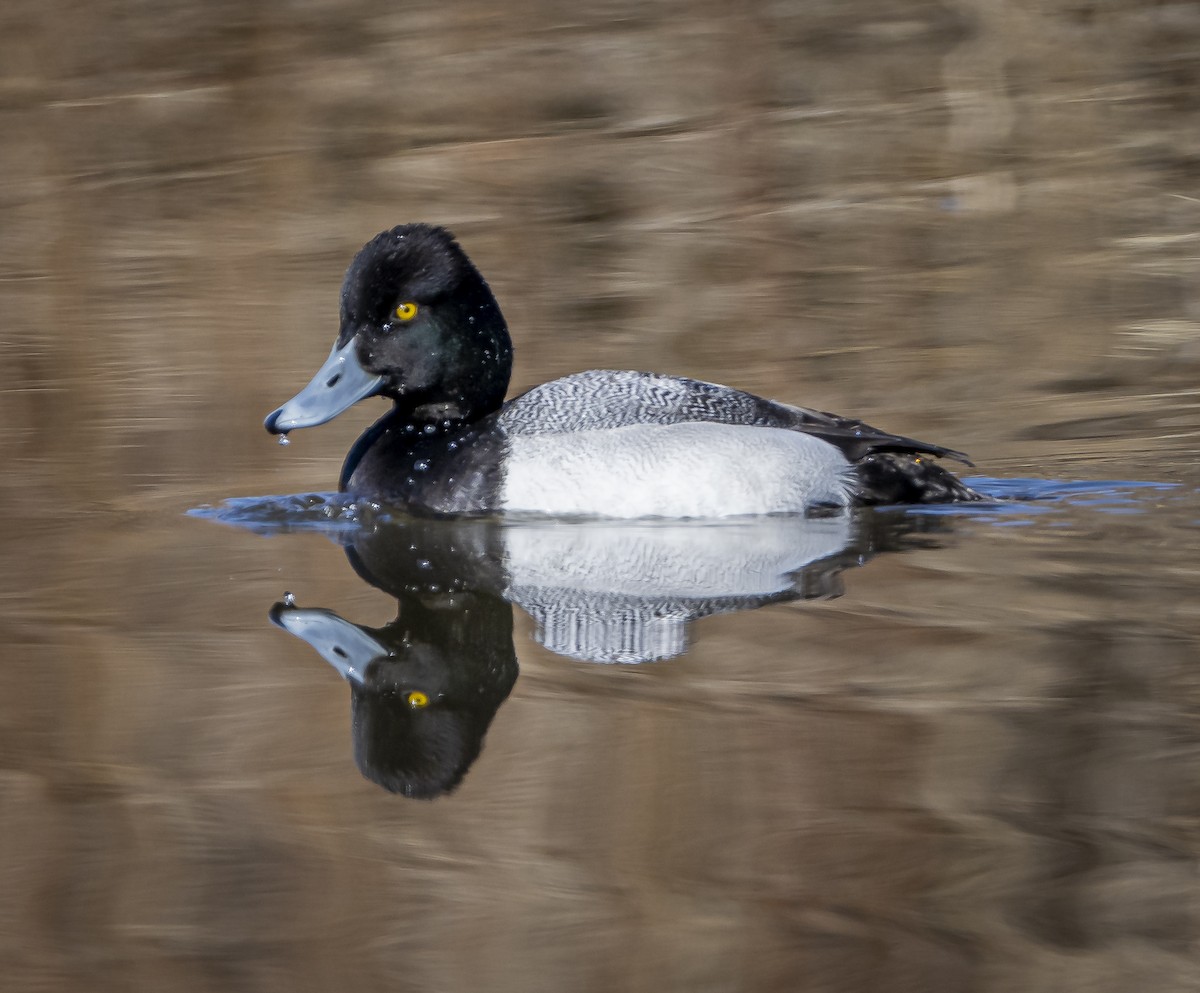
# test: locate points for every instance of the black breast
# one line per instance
(444, 468)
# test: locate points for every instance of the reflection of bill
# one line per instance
(423, 689)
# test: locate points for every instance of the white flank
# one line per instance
(692, 469)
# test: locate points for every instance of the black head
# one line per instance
(419, 325)
(426, 321)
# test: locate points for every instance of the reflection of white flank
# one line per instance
(727, 559)
(626, 633)
(625, 592)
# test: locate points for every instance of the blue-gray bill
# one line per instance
(338, 384)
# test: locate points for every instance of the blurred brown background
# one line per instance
(974, 221)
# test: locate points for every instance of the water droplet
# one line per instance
(423, 563)
(284, 440)
(289, 599)
(429, 428)
(421, 465)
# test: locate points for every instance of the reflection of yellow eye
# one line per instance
(416, 699)
(406, 311)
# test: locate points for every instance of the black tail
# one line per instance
(884, 478)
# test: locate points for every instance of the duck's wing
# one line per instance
(591, 401)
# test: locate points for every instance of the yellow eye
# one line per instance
(416, 699)
(406, 311)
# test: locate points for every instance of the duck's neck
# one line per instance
(467, 384)
(472, 372)
(451, 407)
(416, 424)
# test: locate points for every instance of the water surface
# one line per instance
(905, 751)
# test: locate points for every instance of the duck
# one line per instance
(420, 326)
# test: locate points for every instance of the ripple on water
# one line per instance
(1012, 503)
(1016, 502)
(328, 513)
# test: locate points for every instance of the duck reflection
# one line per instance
(607, 592)
(425, 687)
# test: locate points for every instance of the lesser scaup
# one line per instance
(420, 326)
